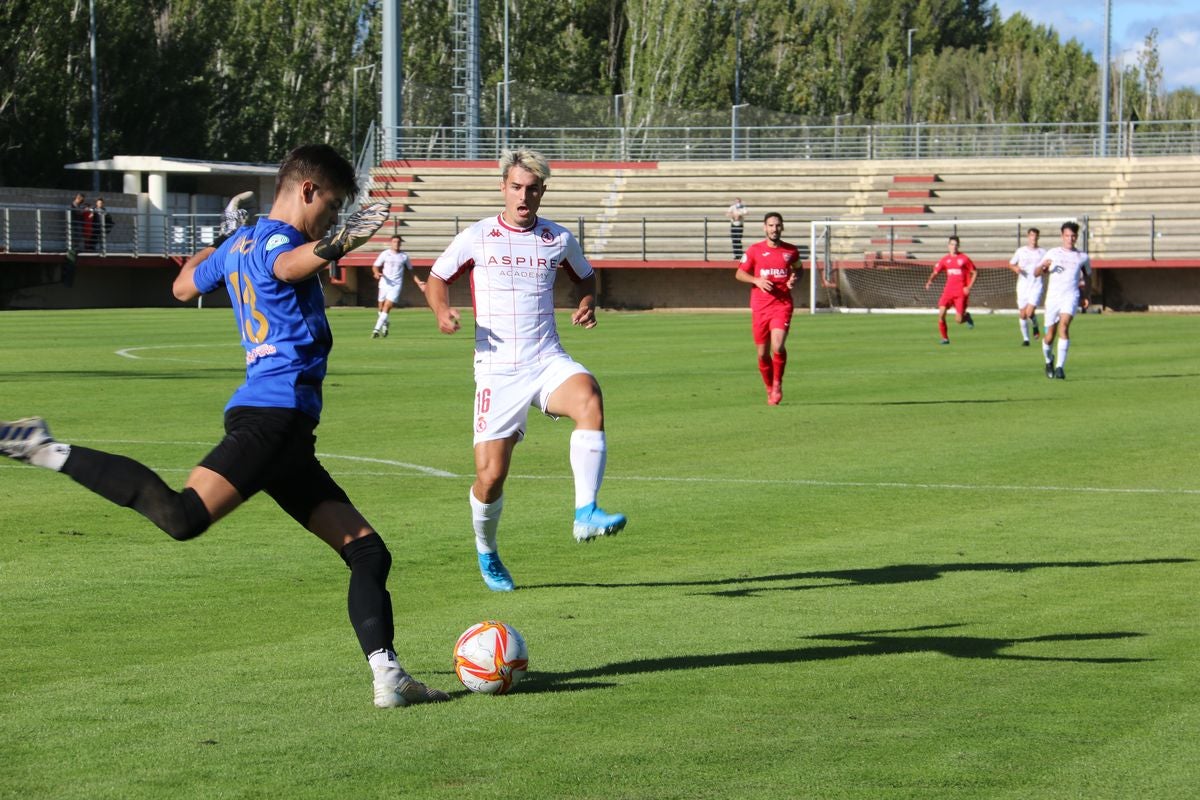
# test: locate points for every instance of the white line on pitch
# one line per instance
(434, 472)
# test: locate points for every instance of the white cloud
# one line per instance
(1178, 25)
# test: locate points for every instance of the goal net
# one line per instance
(882, 265)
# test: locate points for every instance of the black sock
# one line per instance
(368, 600)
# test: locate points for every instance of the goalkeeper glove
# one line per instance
(357, 229)
(232, 218)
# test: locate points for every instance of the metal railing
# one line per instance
(44, 231)
(40, 230)
(854, 142)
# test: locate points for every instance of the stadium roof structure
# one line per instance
(221, 178)
(175, 166)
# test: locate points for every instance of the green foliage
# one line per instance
(929, 573)
(248, 79)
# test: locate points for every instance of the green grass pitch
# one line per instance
(931, 572)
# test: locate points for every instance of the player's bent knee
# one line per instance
(182, 516)
(368, 554)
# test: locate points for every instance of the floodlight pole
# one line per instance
(908, 82)
(95, 96)
(1104, 78)
(354, 108)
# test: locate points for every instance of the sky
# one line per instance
(1178, 23)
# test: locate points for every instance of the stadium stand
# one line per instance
(639, 219)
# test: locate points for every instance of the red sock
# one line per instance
(942, 329)
(779, 361)
(764, 368)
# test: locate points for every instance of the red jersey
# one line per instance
(776, 265)
(957, 268)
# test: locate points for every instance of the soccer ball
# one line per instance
(490, 657)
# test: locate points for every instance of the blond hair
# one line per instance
(531, 160)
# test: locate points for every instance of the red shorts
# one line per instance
(956, 301)
(775, 317)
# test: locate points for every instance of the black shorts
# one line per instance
(274, 450)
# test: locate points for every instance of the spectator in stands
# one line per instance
(102, 225)
(81, 215)
(512, 260)
(769, 266)
(1066, 293)
(271, 271)
(1029, 286)
(960, 276)
(737, 214)
(389, 269)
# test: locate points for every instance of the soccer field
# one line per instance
(931, 572)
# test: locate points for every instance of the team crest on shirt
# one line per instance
(275, 241)
(547, 236)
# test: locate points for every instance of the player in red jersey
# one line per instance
(769, 266)
(960, 277)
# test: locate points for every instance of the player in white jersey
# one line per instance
(1029, 286)
(1068, 269)
(389, 269)
(513, 259)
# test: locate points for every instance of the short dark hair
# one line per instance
(954, 239)
(320, 164)
(775, 214)
(1073, 227)
(1033, 230)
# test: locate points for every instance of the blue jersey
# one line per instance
(282, 325)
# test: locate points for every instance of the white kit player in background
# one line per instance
(1029, 286)
(388, 269)
(1068, 269)
(513, 259)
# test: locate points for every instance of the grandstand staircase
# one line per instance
(610, 209)
(908, 196)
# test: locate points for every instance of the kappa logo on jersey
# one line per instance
(495, 234)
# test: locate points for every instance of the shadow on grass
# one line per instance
(750, 585)
(196, 373)
(854, 644)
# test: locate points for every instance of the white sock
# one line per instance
(485, 519)
(382, 659)
(1046, 351)
(383, 318)
(589, 452)
(1024, 328)
(51, 456)
(1063, 344)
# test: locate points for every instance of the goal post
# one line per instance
(882, 265)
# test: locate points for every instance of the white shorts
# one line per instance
(389, 291)
(1060, 305)
(1029, 293)
(502, 402)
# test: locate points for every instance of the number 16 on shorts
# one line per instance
(483, 404)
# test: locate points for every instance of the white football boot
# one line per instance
(22, 438)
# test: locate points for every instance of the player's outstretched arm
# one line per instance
(355, 231)
(184, 288)
(305, 261)
(437, 295)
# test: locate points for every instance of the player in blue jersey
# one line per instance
(271, 273)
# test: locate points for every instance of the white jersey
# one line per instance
(1067, 268)
(393, 263)
(1029, 285)
(512, 286)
